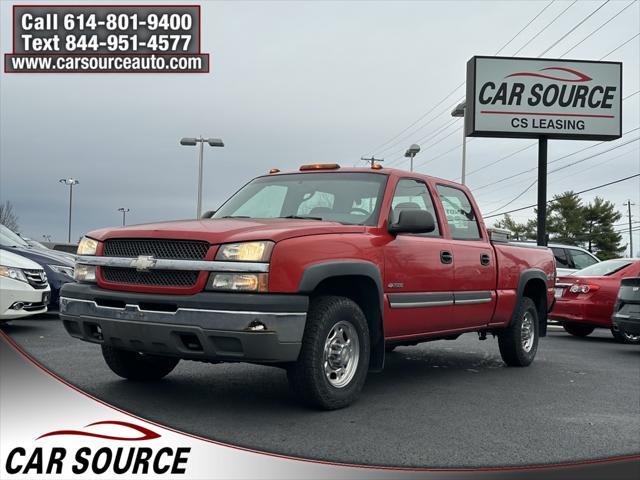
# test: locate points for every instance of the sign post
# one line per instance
(543, 99)
(542, 191)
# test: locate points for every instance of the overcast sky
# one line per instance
(293, 83)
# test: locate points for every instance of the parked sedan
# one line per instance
(569, 258)
(626, 312)
(58, 268)
(585, 300)
(24, 287)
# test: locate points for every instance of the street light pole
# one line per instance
(214, 142)
(459, 112)
(411, 153)
(124, 215)
(71, 182)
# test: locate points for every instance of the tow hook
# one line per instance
(482, 335)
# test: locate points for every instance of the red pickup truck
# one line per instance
(319, 271)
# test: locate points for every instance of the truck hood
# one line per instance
(226, 230)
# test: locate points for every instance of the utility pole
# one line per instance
(373, 160)
(629, 205)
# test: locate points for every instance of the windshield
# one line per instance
(349, 198)
(602, 269)
(10, 239)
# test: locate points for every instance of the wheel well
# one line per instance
(536, 290)
(363, 291)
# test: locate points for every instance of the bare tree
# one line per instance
(8, 217)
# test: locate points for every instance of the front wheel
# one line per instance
(138, 366)
(334, 359)
(624, 337)
(578, 329)
(519, 341)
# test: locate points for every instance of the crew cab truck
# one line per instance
(319, 271)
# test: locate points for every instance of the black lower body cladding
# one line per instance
(208, 326)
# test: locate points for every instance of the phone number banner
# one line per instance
(94, 39)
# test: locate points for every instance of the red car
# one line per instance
(585, 300)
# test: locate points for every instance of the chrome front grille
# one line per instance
(36, 278)
(172, 249)
(156, 278)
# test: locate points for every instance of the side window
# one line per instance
(266, 203)
(316, 203)
(581, 260)
(413, 195)
(561, 257)
(460, 215)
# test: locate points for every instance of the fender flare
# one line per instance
(314, 274)
(525, 277)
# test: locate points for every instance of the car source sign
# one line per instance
(526, 97)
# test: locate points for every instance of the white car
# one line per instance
(569, 258)
(24, 289)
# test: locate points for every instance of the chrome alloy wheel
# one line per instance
(630, 337)
(527, 332)
(341, 354)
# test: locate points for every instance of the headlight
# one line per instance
(85, 273)
(68, 271)
(245, 252)
(87, 246)
(238, 282)
(14, 273)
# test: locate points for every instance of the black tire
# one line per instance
(307, 376)
(625, 337)
(137, 366)
(510, 340)
(578, 329)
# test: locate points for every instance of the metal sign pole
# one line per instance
(542, 191)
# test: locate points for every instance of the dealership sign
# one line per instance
(523, 97)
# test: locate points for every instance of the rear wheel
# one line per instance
(578, 329)
(623, 337)
(334, 359)
(519, 341)
(138, 366)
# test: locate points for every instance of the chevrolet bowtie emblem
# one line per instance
(143, 263)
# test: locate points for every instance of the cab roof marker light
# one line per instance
(274, 170)
(320, 166)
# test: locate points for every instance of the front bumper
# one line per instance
(208, 326)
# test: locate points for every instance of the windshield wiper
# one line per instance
(236, 216)
(300, 217)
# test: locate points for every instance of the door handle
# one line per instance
(485, 259)
(446, 257)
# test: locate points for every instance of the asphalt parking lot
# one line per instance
(439, 404)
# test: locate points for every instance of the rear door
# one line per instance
(473, 258)
(418, 274)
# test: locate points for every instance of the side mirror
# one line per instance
(208, 214)
(413, 221)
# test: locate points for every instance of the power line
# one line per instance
(556, 160)
(525, 27)
(545, 27)
(597, 29)
(376, 150)
(576, 26)
(619, 47)
(566, 196)
(557, 169)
